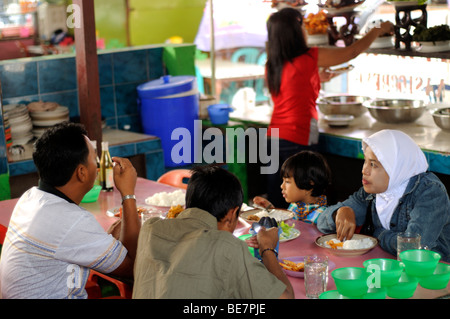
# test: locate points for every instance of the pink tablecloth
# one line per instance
(305, 245)
(106, 201)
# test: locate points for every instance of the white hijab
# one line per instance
(401, 159)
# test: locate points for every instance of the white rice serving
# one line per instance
(353, 243)
(167, 199)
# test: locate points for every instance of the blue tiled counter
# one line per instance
(122, 144)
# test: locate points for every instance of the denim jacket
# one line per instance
(424, 208)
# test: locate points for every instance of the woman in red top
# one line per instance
(294, 79)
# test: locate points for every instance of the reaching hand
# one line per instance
(345, 223)
(261, 201)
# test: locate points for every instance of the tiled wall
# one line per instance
(54, 78)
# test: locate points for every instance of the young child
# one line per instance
(398, 194)
(306, 175)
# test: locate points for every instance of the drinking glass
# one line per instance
(316, 275)
(149, 213)
(407, 241)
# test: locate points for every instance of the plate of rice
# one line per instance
(167, 199)
(358, 245)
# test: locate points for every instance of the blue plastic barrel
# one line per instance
(168, 103)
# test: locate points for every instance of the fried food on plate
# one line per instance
(174, 211)
(293, 266)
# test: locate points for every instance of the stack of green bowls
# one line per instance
(351, 282)
(438, 279)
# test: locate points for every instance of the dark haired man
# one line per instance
(196, 255)
(52, 242)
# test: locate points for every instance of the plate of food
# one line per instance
(295, 266)
(358, 245)
(254, 215)
(174, 211)
(289, 232)
(167, 199)
(117, 211)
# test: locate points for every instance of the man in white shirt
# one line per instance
(52, 242)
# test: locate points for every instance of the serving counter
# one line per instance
(346, 141)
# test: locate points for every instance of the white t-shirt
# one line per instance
(50, 246)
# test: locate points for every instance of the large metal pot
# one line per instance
(442, 118)
(395, 110)
(342, 105)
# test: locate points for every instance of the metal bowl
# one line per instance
(395, 111)
(442, 118)
(342, 105)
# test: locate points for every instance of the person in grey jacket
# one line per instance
(398, 194)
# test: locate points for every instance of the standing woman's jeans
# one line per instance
(274, 181)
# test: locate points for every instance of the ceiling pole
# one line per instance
(212, 51)
(87, 70)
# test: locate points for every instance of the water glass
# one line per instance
(149, 213)
(316, 275)
(407, 241)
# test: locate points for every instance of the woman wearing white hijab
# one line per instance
(398, 194)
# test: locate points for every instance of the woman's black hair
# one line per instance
(285, 42)
(310, 171)
(214, 190)
(59, 151)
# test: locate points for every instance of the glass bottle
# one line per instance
(106, 169)
(97, 179)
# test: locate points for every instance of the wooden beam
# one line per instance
(87, 70)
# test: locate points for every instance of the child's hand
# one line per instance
(261, 201)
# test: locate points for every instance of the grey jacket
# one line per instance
(424, 208)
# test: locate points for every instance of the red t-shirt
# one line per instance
(295, 105)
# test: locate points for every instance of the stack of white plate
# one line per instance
(20, 123)
(44, 119)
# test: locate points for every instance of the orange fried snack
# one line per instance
(316, 23)
(140, 210)
(174, 211)
(253, 217)
(334, 245)
(293, 266)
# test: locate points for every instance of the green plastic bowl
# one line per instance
(351, 281)
(439, 279)
(420, 262)
(250, 249)
(405, 287)
(92, 195)
(376, 293)
(390, 270)
(332, 294)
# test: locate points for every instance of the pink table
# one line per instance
(107, 200)
(305, 245)
(301, 246)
